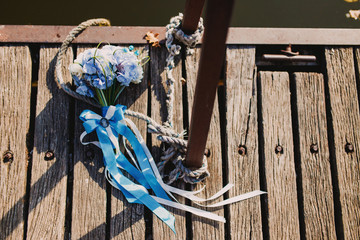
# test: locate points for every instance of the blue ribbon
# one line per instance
(133, 192)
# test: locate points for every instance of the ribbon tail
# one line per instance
(130, 198)
(237, 198)
(143, 160)
(141, 194)
(189, 194)
(138, 191)
(170, 189)
(133, 171)
(196, 211)
(130, 154)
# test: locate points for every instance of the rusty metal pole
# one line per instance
(217, 21)
(192, 13)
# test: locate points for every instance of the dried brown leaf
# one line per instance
(152, 38)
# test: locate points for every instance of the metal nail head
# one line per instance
(279, 149)
(8, 156)
(49, 155)
(314, 148)
(242, 150)
(349, 148)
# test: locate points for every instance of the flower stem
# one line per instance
(104, 98)
(119, 92)
(101, 97)
(146, 59)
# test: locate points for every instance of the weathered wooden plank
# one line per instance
(242, 141)
(346, 121)
(314, 157)
(49, 177)
(280, 175)
(89, 184)
(15, 88)
(127, 220)
(159, 113)
(135, 35)
(205, 228)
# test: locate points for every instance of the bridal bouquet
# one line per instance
(103, 73)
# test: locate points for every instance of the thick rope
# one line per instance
(176, 151)
(174, 29)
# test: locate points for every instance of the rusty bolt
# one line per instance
(314, 148)
(8, 156)
(207, 152)
(242, 150)
(49, 155)
(349, 148)
(279, 149)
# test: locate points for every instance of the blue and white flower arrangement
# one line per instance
(103, 73)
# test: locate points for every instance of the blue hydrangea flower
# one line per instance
(100, 83)
(109, 51)
(85, 91)
(128, 68)
(98, 67)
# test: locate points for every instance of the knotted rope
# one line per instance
(173, 29)
(176, 151)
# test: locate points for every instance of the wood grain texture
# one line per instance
(204, 228)
(15, 89)
(127, 220)
(346, 121)
(89, 184)
(49, 178)
(242, 130)
(159, 114)
(280, 174)
(315, 167)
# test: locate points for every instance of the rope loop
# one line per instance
(172, 168)
(66, 86)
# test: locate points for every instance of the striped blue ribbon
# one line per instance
(108, 129)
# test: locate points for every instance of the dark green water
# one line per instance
(251, 13)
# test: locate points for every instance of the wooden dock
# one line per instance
(290, 129)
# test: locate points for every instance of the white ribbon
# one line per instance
(189, 194)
